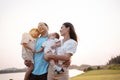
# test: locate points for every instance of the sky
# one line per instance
(97, 24)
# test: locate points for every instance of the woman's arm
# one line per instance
(65, 57)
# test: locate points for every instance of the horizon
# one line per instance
(97, 24)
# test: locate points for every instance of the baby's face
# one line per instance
(52, 36)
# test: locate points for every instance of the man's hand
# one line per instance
(27, 63)
(34, 51)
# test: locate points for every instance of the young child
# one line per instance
(28, 47)
(51, 45)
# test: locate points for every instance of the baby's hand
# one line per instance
(53, 46)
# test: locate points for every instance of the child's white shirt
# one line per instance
(26, 53)
(47, 45)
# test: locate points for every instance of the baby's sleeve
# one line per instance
(71, 47)
(57, 40)
(25, 38)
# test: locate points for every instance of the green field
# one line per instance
(99, 75)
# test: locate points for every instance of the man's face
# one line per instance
(42, 28)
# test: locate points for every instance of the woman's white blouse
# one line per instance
(68, 46)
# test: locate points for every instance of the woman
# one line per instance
(64, 53)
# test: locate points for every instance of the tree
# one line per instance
(114, 60)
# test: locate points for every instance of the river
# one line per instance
(20, 76)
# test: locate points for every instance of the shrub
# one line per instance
(114, 66)
(88, 69)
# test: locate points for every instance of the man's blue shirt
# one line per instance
(40, 64)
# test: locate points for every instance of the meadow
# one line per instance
(99, 75)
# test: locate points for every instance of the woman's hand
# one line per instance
(67, 63)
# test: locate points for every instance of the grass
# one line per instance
(114, 66)
(99, 75)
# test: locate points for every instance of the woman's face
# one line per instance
(64, 30)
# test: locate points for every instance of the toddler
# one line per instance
(28, 48)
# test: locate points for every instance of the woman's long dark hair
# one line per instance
(72, 32)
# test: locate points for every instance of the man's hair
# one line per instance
(46, 25)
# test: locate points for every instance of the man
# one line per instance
(40, 64)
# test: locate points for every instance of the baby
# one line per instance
(51, 45)
(28, 47)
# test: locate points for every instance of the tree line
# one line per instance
(114, 60)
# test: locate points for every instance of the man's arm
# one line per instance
(41, 49)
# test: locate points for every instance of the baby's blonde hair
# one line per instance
(36, 30)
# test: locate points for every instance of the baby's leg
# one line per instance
(28, 72)
(56, 67)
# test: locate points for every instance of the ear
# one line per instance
(68, 28)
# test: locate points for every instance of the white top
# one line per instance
(26, 53)
(47, 45)
(68, 47)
